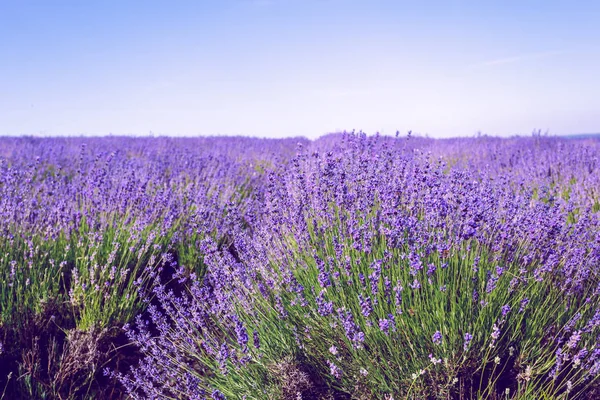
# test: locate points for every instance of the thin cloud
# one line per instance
(516, 59)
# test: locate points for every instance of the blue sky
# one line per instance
(280, 68)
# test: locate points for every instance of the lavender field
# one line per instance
(348, 267)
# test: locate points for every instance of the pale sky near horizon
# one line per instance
(279, 68)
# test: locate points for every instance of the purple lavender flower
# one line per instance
(468, 338)
(256, 339)
(593, 323)
(574, 339)
(387, 288)
(571, 324)
(223, 357)
(335, 371)
(362, 279)
(524, 303)
(491, 284)
(495, 333)
(323, 308)
(431, 268)
(578, 358)
(398, 294)
(324, 278)
(366, 306)
(560, 359)
(241, 333)
(415, 264)
(352, 330)
(476, 264)
(280, 307)
(415, 285)
(384, 325)
(375, 276)
(392, 320)
(437, 337)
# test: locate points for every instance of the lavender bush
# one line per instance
(348, 267)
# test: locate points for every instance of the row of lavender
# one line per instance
(87, 224)
(345, 267)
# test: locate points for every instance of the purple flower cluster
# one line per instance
(437, 337)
